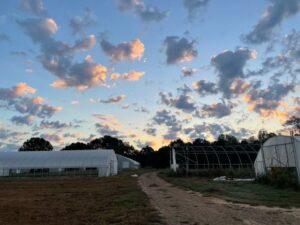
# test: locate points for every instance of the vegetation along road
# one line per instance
(178, 206)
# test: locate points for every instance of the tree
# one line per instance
(96, 143)
(201, 142)
(294, 123)
(177, 143)
(263, 135)
(36, 144)
(147, 150)
(76, 146)
(162, 157)
(226, 139)
(108, 142)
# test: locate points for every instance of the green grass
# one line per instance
(251, 193)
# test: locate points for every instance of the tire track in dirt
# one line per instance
(178, 206)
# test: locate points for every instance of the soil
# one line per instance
(178, 206)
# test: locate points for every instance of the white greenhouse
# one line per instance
(278, 151)
(127, 163)
(95, 162)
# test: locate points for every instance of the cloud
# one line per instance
(296, 107)
(133, 75)
(230, 66)
(187, 72)
(52, 137)
(164, 117)
(39, 29)
(106, 130)
(33, 6)
(286, 61)
(146, 13)
(239, 86)
(80, 75)
(6, 134)
(22, 120)
(130, 50)
(217, 110)
(273, 16)
(57, 125)
(108, 125)
(78, 24)
(85, 43)
(76, 135)
(74, 102)
(194, 6)
(267, 101)
(179, 50)
(15, 91)
(113, 100)
(22, 88)
(115, 76)
(4, 37)
(151, 131)
(141, 110)
(57, 56)
(213, 130)
(204, 88)
(183, 101)
(16, 98)
(142, 144)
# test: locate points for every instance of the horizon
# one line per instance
(147, 72)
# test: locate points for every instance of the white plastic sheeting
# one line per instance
(278, 151)
(127, 163)
(104, 160)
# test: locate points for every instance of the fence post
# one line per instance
(187, 161)
(263, 158)
(174, 164)
(296, 159)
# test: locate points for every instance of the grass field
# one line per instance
(241, 192)
(75, 201)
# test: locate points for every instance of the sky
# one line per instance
(147, 72)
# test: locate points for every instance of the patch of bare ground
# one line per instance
(178, 206)
(76, 201)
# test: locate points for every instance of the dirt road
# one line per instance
(178, 206)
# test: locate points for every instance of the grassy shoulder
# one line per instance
(75, 201)
(252, 193)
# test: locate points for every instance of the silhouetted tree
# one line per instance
(145, 156)
(226, 139)
(201, 142)
(294, 123)
(76, 146)
(253, 140)
(147, 150)
(36, 144)
(108, 142)
(162, 157)
(177, 143)
(263, 135)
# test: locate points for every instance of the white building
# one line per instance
(127, 163)
(102, 162)
(278, 151)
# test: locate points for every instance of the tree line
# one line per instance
(147, 156)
